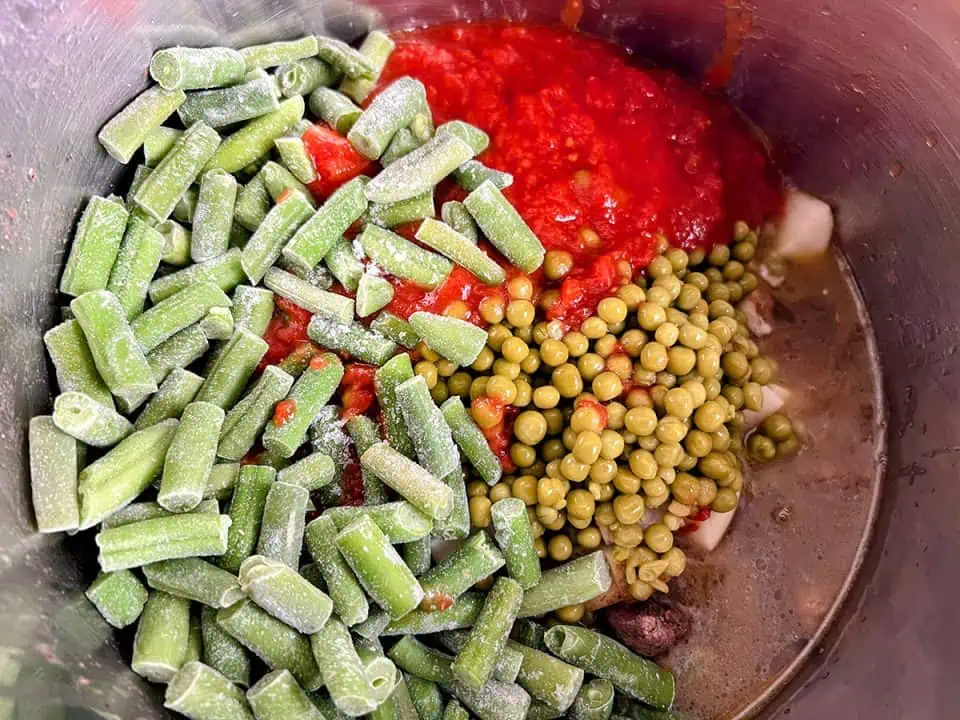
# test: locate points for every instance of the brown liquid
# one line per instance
(764, 596)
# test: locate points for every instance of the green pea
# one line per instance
(698, 443)
(668, 455)
(698, 280)
(667, 334)
(721, 308)
(685, 488)
(709, 416)
(718, 291)
(788, 447)
(679, 403)
(653, 357)
(712, 387)
(659, 296)
(708, 362)
(736, 365)
(761, 370)
(658, 536)
(691, 336)
(735, 291)
(699, 319)
(696, 257)
(777, 427)
(761, 447)
(671, 429)
(749, 283)
(744, 252)
(671, 283)
(678, 259)
(734, 395)
(725, 501)
(659, 267)
(721, 439)
(650, 315)
(733, 270)
(666, 379)
(715, 466)
(688, 297)
(722, 329)
(643, 464)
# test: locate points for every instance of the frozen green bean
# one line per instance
(117, 478)
(344, 58)
(89, 421)
(352, 338)
(135, 512)
(382, 674)
(76, 371)
(282, 592)
(349, 600)
(304, 76)
(272, 234)
(475, 560)
(389, 215)
(214, 215)
(402, 143)
(457, 340)
(118, 596)
(515, 537)
(221, 651)
(217, 324)
(294, 154)
(547, 679)
(421, 661)
(114, 348)
(185, 208)
(403, 259)
(334, 108)
(419, 170)
(399, 705)
(194, 579)
(410, 480)
(177, 352)
(176, 243)
(199, 692)
(95, 246)
(365, 433)
(605, 658)
(228, 376)
(393, 108)
(456, 525)
(158, 143)
(316, 237)
(163, 538)
(276, 643)
(125, 132)
(528, 632)
(185, 68)
(376, 48)
(279, 180)
(255, 139)
(342, 261)
(388, 378)
(305, 295)
(504, 227)
(246, 514)
(594, 701)
(457, 216)
(508, 663)
(400, 521)
(463, 613)
(472, 173)
(471, 440)
(455, 711)
(253, 203)
(160, 645)
(479, 655)
(136, 264)
(417, 555)
(222, 480)
(225, 271)
(426, 697)
(281, 530)
(429, 432)
(396, 329)
(473, 136)
(373, 293)
(280, 52)
(252, 308)
(459, 248)
(277, 696)
(343, 671)
(190, 457)
(575, 582)
(176, 313)
(246, 420)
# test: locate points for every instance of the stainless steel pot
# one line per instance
(858, 98)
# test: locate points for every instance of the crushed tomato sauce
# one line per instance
(610, 160)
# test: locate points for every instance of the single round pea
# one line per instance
(514, 350)
(612, 310)
(655, 487)
(520, 313)
(744, 252)
(761, 447)
(685, 488)
(658, 537)
(789, 446)
(688, 296)
(572, 469)
(570, 615)
(540, 331)
(577, 343)
(580, 504)
(553, 352)
(552, 449)
(590, 365)
(721, 308)
(632, 341)
(643, 378)
(560, 548)
(667, 334)
(484, 360)
(603, 471)
(628, 509)
(681, 360)
(440, 392)
(428, 371)
(761, 371)
(678, 259)
(496, 336)
(616, 412)
(480, 511)
(708, 362)
(548, 299)
(499, 492)
(530, 427)
(524, 393)
(725, 501)
(692, 336)
(698, 280)
(509, 370)
(550, 493)
(777, 427)
(589, 538)
(698, 443)
(554, 417)
(650, 316)
(668, 455)
(459, 384)
(611, 443)
(696, 390)
(735, 365)
(632, 295)
(654, 357)
(546, 396)
(586, 418)
(671, 430)
(659, 267)
(721, 439)
(628, 536)
(540, 546)
(710, 416)
(659, 295)
(734, 395)
(602, 492)
(531, 363)
(643, 464)
(594, 327)
(620, 365)
(718, 291)
(606, 386)
(520, 288)
(477, 488)
(715, 466)
(626, 482)
(566, 378)
(502, 389)
(641, 421)
(587, 447)
(478, 387)
(525, 488)
(672, 284)
(522, 455)
(569, 438)
(707, 492)
(719, 255)
(605, 346)
(712, 387)
(749, 283)
(752, 396)
(492, 309)
(557, 264)
(679, 403)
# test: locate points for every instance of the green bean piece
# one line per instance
(184, 68)
(186, 206)
(176, 243)
(277, 696)
(119, 597)
(164, 538)
(228, 376)
(277, 53)
(365, 433)
(305, 295)
(605, 658)
(217, 324)
(158, 143)
(382, 674)
(541, 711)
(421, 661)
(457, 340)
(136, 512)
(457, 216)
(276, 643)
(392, 109)
(190, 457)
(352, 338)
(343, 672)
(246, 514)
(73, 362)
(239, 235)
(246, 420)
(417, 555)
(199, 692)
(95, 246)
(429, 432)
(327, 436)
(277, 228)
(279, 180)
(410, 480)
(349, 600)
(114, 349)
(626, 708)
(456, 525)
(372, 628)
(479, 655)
(504, 227)
(471, 440)
(255, 139)
(396, 329)
(294, 154)
(304, 76)
(376, 48)
(194, 579)
(160, 191)
(461, 250)
(528, 632)
(472, 173)
(515, 537)
(373, 293)
(116, 479)
(281, 530)
(399, 705)
(418, 171)
(547, 679)
(344, 58)
(475, 560)
(252, 308)
(176, 353)
(282, 592)
(89, 421)
(402, 143)
(125, 132)
(577, 581)
(221, 651)
(462, 614)
(334, 108)
(225, 271)
(176, 313)
(455, 711)
(214, 215)
(470, 134)
(312, 472)
(403, 259)
(315, 238)
(160, 645)
(379, 567)
(136, 264)
(388, 378)
(389, 215)
(508, 663)
(342, 261)
(222, 480)
(400, 521)
(253, 203)
(594, 701)
(426, 697)
(309, 393)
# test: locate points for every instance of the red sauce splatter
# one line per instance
(735, 28)
(283, 411)
(357, 389)
(693, 522)
(318, 362)
(571, 14)
(437, 601)
(284, 195)
(351, 480)
(287, 330)
(334, 158)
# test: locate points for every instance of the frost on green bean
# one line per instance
(428, 430)
(353, 338)
(344, 58)
(504, 227)
(285, 594)
(214, 215)
(294, 154)
(376, 48)
(405, 211)
(229, 375)
(177, 352)
(201, 693)
(158, 143)
(343, 672)
(301, 77)
(457, 340)
(163, 538)
(334, 108)
(89, 421)
(276, 53)
(136, 264)
(396, 329)
(412, 481)
(404, 259)
(279, 225)
(400, 521)
(95, 246)
(419, 170)
(373, 293)
(307, 296)
(125, 132)
(190, 457)
(392, 109)
(246, 420)
(461, 249)
(75, 369)
(278, 180)
(349, 600)
(575, 582)
(119, 597)
(161, 643)
(221, 651)
(176, 243)
(225, 271)
(194, 579)
(255, 139)
(217, 324)
(176, 313)
(185, 68)
(515, 537)
(278, 696)
(281, 530)
(315, 238)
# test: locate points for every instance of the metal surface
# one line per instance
(856, 97)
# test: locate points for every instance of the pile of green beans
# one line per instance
(160, 366)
